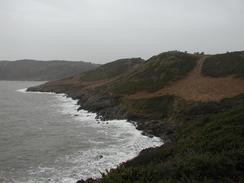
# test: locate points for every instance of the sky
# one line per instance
(101, 31)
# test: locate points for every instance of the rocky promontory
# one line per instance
(172, 95)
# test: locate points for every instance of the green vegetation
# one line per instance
(111, 70)
(204, 141)
(156, 73)
(224, 65)
(152, 108)
(209, 148)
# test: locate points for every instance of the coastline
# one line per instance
(108, 107)
(195, 129)
(100, 119)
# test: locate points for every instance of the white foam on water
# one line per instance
(24, 90)
(100, 157)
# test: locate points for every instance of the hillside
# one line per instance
(32, 70)
(222, 65)
(199, 87)
(208, 148)
(94, 78)
(199, 116)
(111, 70)
(156, 72)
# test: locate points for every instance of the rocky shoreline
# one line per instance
(109, 108)
(175, 96)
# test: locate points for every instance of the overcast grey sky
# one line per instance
(104, 30)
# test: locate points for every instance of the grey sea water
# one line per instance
(44, 139)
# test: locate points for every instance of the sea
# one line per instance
(45, 139)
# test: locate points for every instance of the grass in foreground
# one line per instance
(209, 147)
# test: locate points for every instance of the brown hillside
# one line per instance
(197, 87)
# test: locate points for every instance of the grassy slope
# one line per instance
(156, 73)
(152, 108)
(128, 76)
(224, 65)
(111, 70)
(209, 147)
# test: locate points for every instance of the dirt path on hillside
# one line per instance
(197, 87)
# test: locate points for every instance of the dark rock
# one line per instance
(80, 181)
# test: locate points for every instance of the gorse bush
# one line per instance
(209, 148)
(224, 65)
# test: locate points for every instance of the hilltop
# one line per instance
(192, 77)
(193, 102)
(33, 70)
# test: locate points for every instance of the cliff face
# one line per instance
(170, 96)
(32, 70)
